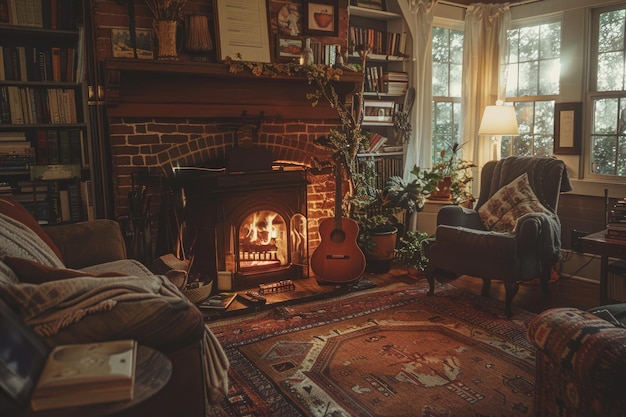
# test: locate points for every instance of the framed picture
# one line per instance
(122, 47)
(288, 49)
(567, 128)
(321, 17)
(378, 112)
(243, 33)
(288, 19)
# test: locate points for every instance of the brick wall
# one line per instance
(143, 148)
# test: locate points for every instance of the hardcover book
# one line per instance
(33, 374)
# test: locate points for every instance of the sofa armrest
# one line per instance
(580, 344)
(459, 216)
(88, 243)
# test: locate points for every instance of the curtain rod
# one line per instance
(465, 6)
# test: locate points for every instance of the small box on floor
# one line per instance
(225, 281)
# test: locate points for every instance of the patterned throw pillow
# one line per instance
(501, 212)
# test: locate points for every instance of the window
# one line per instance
(608, 92)
(447, 53)
(532, 85)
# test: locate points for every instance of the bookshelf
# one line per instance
(45, 149)
(386, 81)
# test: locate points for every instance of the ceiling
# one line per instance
(465, 3)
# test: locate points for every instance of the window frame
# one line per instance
(449, 24)
(530, 22)
(592, 94)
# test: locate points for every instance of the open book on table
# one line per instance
(32, 373)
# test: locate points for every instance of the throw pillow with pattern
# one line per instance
(501, 212)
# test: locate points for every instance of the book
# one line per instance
(220, 301)
(87, 373)
(32, 373)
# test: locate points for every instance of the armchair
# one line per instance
(512, 234)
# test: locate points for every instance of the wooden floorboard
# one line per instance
(564, 292)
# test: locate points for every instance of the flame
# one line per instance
(261, 229)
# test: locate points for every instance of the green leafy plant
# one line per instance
(410, 195)
(411, 252)
(458, 170)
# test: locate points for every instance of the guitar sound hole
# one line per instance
(337, 236)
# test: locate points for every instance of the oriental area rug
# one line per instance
(391, 352)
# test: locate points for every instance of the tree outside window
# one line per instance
(608, 92)
(532, 85)
(447, 50)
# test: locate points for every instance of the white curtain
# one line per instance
(485, 50)
(420, 20)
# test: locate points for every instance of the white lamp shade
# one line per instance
(499, 120)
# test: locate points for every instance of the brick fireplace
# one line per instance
(153, 130)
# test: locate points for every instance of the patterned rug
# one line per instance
(384, 352)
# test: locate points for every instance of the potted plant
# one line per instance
(456, 176)
(411, 252)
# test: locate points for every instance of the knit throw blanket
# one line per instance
(52, 306)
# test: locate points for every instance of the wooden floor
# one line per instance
(564, 292)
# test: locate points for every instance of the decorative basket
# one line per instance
(199, 294)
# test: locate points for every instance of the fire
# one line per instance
(261, 229)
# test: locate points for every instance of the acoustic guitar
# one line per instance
(338, 259)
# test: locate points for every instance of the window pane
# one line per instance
(456, 46)
(440, 79)
(603, 155)
(511, 81)
(529, 43)
(513, 36)
(544, 145)
(456, 75)
(440, 45)
(605, 116)
(544, 118)
(611, 71)
(611, 36)
(528, 78)
(550, 41)
(549, 73)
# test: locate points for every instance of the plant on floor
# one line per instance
(411, 252)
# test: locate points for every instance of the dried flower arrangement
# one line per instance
(166, 9)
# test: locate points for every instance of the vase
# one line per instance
(165, 31)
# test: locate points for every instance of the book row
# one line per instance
(379, 81)
(26, 105)
(55, 201)
(378, 42)
(36, 63)
(48, 14)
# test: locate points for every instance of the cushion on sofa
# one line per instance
(18, 240)
(35, 273)
(16, 211)
(501, 212)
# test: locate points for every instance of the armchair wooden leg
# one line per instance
(430, 277)
(511, 288)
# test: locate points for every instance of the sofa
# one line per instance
(580, 362)
(74, 284)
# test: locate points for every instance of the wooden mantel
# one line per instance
(146, 88)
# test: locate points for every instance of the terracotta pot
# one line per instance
(381, 255)
(444, 190)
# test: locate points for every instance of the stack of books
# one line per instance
(396, 83)
(616, 228)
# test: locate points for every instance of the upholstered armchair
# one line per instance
(512, 234)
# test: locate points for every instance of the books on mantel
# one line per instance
(87, 373)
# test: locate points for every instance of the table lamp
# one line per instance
(498, 121)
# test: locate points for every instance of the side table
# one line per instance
(598, 244)
(153, 371)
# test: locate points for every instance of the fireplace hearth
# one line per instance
(250, 223)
